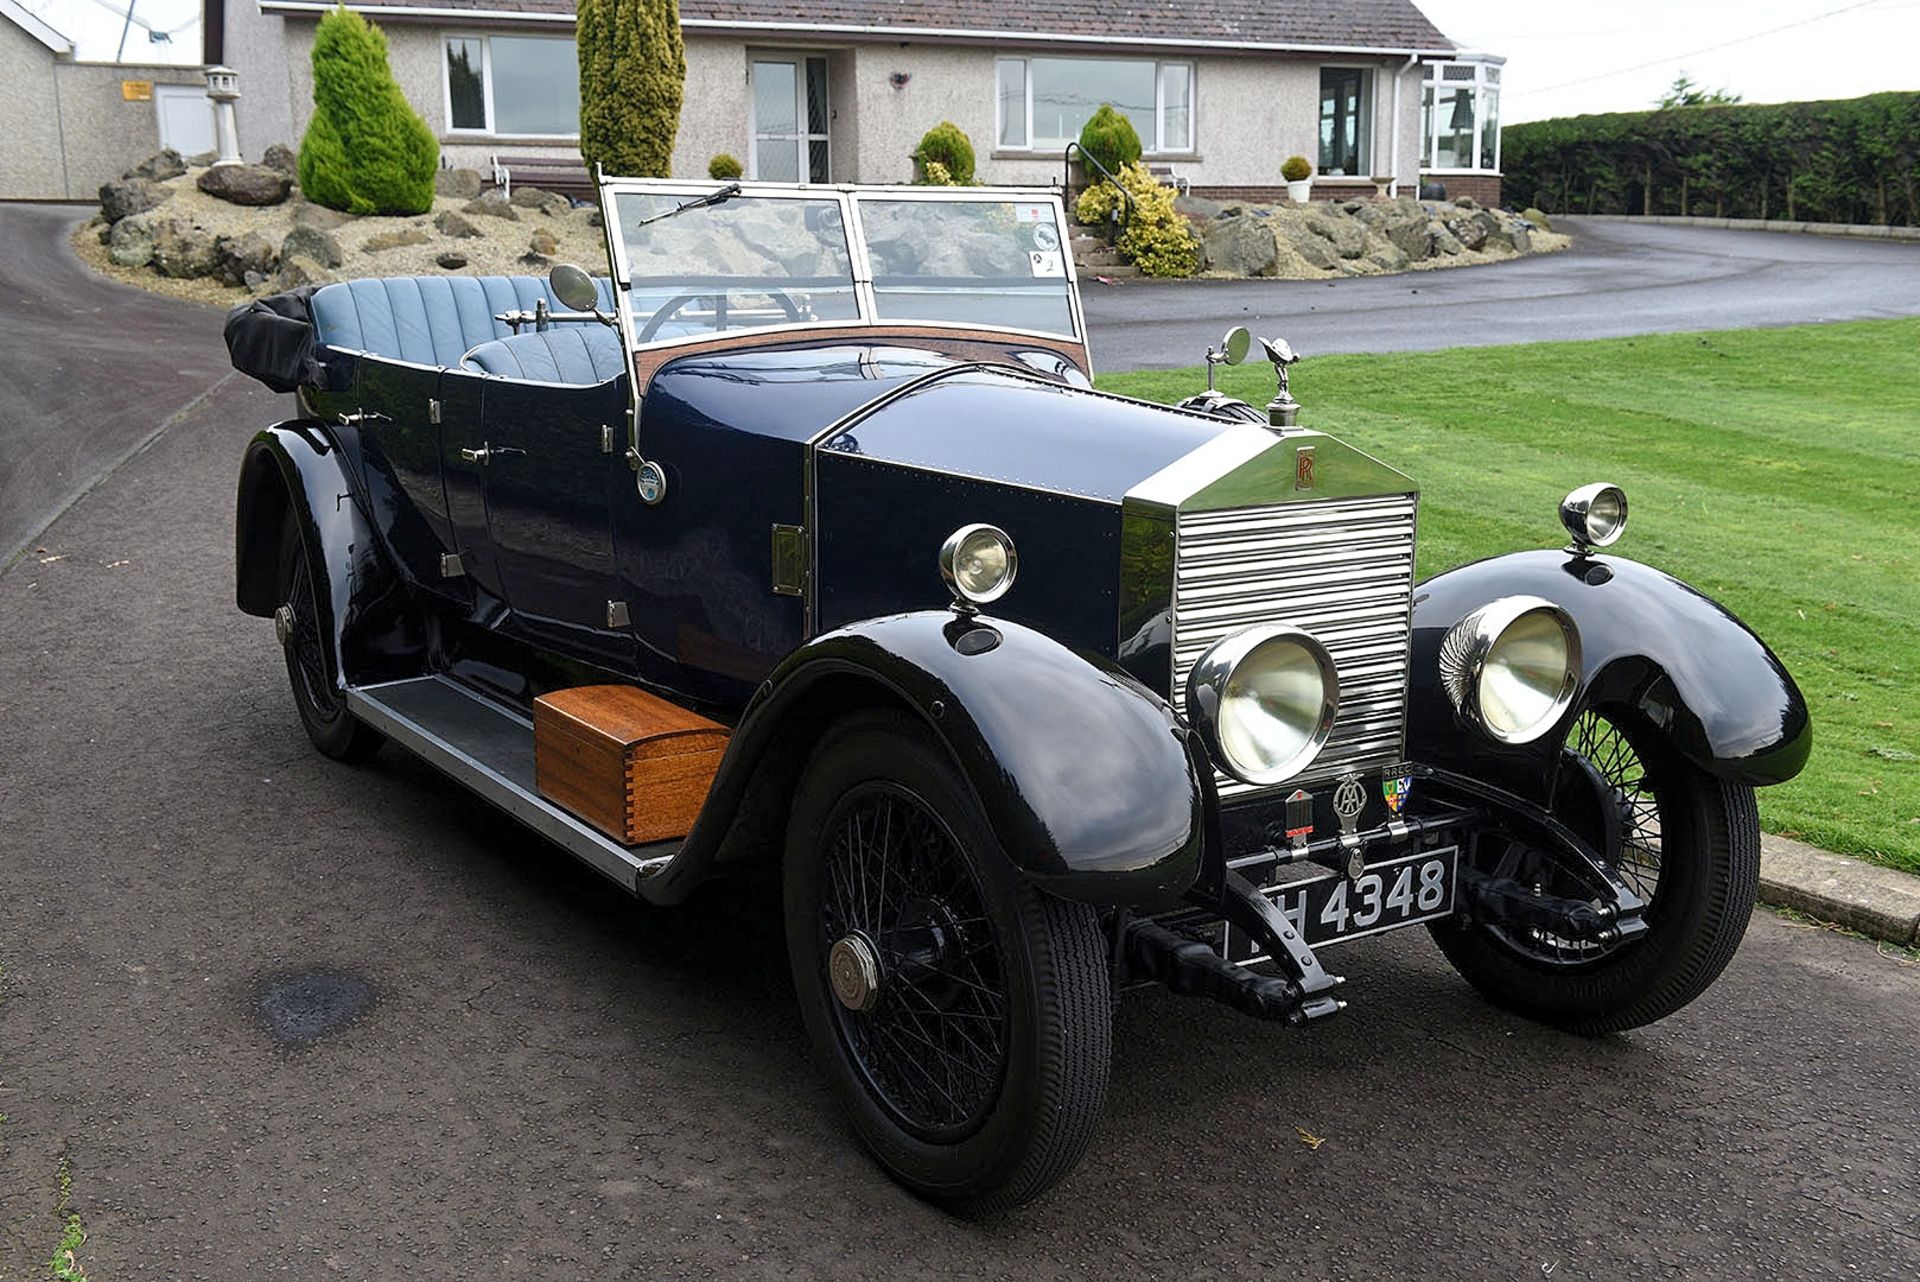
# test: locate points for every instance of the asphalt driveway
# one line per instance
(1617, 279)
(545, 1079)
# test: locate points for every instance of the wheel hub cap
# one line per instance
(854, 970)
(283, 624)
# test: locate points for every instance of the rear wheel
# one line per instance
(304, 637)
(962, 1015)
(1686, 842)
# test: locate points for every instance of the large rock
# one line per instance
(281, 157)
(308, 214)
(183, 251)
(459, 226)
(452, 260)
(399, 238)
(239, 260)
(491, 204)
(1238, 246)
(547, 202)
(1445, 243)
(245, 184)
(461, 184)
(313, 244)
(124, 196)
(1411, 234)
(1315, 249)
(160, 166)
(1537, 218)
(544, 242)
(1343, 231)
(1386, 255)
(1472, 229)
(1521, 239)
(298, 269)
(130, 242)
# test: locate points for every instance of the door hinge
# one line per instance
(789, 560)
(617, 616)
(606, 438)
(433, 409)
(451, 567)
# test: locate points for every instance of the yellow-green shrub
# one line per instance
(366, 150)
(633, 71)
(1153, 236)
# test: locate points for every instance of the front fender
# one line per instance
(295, 466)
(1647, 640)
(1082, 772)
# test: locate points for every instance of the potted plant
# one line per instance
(1298, 171)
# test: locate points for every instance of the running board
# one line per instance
(488, 747)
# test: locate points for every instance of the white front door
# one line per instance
(788, 104)
(186, 118)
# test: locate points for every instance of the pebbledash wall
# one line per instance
(69, 127)
(1251, 113)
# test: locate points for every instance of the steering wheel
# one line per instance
(673, 306)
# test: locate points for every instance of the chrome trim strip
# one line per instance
(627, 866)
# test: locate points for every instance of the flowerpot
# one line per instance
(1299, 192)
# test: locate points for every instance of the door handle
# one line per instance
(360, 418)
(489, 451)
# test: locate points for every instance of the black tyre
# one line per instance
(963, 1016)
(304, 637)
(1683, 840)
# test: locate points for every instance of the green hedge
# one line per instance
(1855, 160)
(365, 150)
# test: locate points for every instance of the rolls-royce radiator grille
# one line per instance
(1340, 568)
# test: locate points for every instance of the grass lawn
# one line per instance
(1776, 470)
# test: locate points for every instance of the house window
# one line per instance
(1460, 117)
(1043, 102)
(524, 85)
(1346, 121)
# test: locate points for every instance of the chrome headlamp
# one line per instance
(1264, 700)
(1512, 667)
(978, 564)
(1595, 515)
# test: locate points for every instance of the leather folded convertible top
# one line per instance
(271, 339)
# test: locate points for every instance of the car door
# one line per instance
(548, 470)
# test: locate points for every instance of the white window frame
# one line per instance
(1486, 76)
(1148, 146)
(486, 86)
(1369, 120)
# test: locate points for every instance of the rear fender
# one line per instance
(1648, 641)
(296, 466)
(1083, 774)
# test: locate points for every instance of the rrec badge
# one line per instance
(1395, 789)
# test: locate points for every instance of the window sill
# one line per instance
(1462, 173)
(1053, 153)
(464, 138)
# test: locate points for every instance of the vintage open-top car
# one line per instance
(803, 544)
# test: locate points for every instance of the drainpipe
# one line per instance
(1405, 67)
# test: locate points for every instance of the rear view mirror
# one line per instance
(573, 287)
(1235, 346)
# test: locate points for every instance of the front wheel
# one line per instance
(963, 1016)
(1684, 841)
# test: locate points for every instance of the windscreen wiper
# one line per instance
(725, 193)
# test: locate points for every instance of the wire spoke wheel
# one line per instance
(306, 653)
(1683, 840)
(963, 1016)
(913, 962)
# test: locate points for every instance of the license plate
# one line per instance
(1331, 909)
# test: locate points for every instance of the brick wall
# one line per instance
(1484, 188)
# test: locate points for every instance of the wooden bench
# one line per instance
(566, 175)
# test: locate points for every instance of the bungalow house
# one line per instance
(1221, 91)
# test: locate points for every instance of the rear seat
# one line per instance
(438, 320)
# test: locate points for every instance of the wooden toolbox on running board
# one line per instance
(631, 764)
